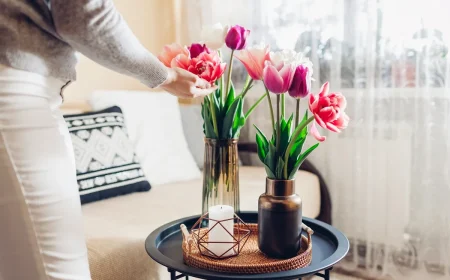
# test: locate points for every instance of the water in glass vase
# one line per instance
(220, 174)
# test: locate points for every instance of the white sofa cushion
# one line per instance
(154, 126)
(117, 228)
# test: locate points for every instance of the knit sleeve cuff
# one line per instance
(157, 76)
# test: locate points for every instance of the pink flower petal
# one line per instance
(342, 102)
(272, 79)
(253, 60)
(319, 121)
(253, 69)
(181, 61)
(342, 121)
(324, 89)
(312, 100)
(324, 101)
(316, 133)
(287, 74)
(332, 127)
(244, 39)
(169, 52)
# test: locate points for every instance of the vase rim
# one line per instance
(227, 141)
(280, 180)
(280, 187)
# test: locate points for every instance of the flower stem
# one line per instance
(247, 81)
(297, 132)
(247, 87)
(213, 115)
(271, 108)
(221, 80)
(255, 105)
(230, 68)
(278, 125)
(297, 112)
(283, 106)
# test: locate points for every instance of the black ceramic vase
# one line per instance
(279, 220)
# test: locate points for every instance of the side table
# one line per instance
(164, 246)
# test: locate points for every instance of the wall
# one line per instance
(153, 23)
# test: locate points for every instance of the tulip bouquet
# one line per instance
(222, 110)
(289, 72)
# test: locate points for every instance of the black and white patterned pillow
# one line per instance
(106, 163)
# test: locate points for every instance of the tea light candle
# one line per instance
(218, 233)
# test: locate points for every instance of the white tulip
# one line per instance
(214, 35)
(290, 57)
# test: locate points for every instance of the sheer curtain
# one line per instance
(389, 171)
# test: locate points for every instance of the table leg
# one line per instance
(326, 274)
(174, 276)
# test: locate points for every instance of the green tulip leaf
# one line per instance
(262, 144)
(208, 127)
(218, 101)
(304, 131)
(270, 161)
(279, 168)
(285, 135)
(239, 119)
(261, 148)
(298, 145)
(230, 97)
(228, 120)
(300, 160)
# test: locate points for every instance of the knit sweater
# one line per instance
(42, 36)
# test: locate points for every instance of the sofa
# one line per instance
(116, 228)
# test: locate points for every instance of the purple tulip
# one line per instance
(301, 83)
(236, 38)
(196, 49)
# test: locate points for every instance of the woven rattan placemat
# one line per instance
(250, 260)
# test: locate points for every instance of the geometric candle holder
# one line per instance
(239, 236)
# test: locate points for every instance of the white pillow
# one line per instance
(154, 126)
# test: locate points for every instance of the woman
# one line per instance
(41, 235)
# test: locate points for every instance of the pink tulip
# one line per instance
(196, 49)
(253, 60)
(170, 52)
(236, 38)
(207, 66)
(278, 81)
(328, 110)
(301, 83)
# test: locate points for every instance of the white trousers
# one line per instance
(41, 230)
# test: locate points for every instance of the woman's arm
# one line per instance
(96, 29)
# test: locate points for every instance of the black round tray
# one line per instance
(164, 246)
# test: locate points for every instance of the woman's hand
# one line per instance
(184, 84)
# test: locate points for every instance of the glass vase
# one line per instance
(220, 174)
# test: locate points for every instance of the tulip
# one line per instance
(278, 81)
(283, 57)
(196, 49)
(170, 52)
(214, 36)
(254, 60)
(328, 110)
(236, 38)
(301, 83)
(207, 66)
